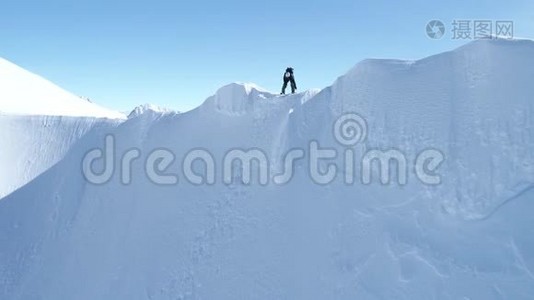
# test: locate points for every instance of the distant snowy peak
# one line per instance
(24, 93)
(149, 108)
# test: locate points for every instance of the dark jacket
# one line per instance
(290, 71)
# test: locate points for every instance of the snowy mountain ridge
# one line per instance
(469, 237)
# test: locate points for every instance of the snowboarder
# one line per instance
(289, 77)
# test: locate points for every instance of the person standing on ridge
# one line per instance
(289, 77)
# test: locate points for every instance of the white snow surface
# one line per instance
(24, 93)
(148, 107)
(33, 144)
(471, 237)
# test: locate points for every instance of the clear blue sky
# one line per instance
(177, 53)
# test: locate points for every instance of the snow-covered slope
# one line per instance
(24, 93)
(39, 122)
(33, 144)
(470, 237)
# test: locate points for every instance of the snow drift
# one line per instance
(471, 237)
